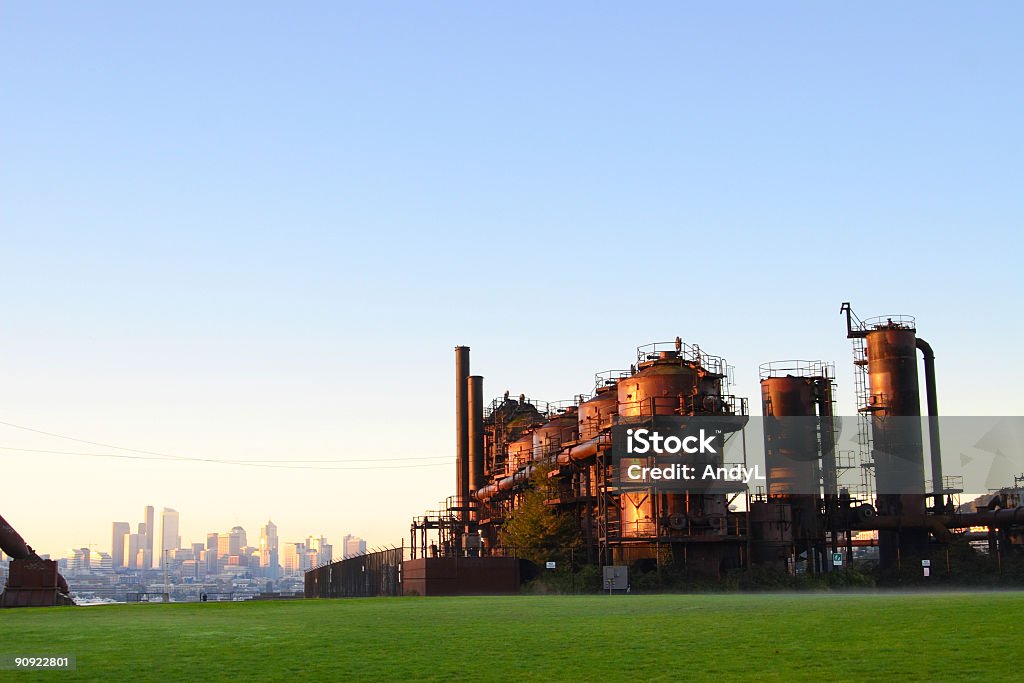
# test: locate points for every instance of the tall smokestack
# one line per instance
(461, 428)
(476, 432)
(933, 421)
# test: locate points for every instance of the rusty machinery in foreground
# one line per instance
(804, 515)
(32, 581)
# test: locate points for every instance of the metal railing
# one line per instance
(797, 368)
(895, 321)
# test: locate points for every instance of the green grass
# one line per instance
(824, 637)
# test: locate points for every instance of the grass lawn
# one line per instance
(825, 637)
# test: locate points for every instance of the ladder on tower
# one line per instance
(864, 409)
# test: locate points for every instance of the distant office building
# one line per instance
(231, 543)
(169, 538)
(143, 557)
(353, 545)
(101, 562)
(119, 545)
(269, 551)
(78, 560)
(212, 553)
(150, 533)
(238, 535)
(131, 559)
(320, 551)
(296, 558)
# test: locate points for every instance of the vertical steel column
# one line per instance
(461, 429)
(475, 390)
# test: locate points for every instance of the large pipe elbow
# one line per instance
(926, 349)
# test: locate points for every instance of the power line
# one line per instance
(271, 464)
(242, 463)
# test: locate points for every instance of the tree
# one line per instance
(538, 531)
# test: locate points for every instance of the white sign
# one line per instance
(550, 565)
(926, 563)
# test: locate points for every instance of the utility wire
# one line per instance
(272, 464)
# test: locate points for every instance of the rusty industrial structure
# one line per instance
(804, 515)
(574, 440)
(32, 581)
(789, 521)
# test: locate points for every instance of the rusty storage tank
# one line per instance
(771, 534)
(667, 383)
(597, 412)
(791, 393)
(791, 446)
(519, 417)
(897, 447)
(508, 421)
(561, 429)
(663, 385)
(520, 452)
(894, 405)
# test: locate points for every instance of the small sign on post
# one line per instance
(926, 566)
(549, 564)
(616, 578)
(837, 559)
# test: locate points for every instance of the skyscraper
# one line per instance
(212, 556)
(238, 540)
(269, 550)
(169, 538)
(231, 543)
(295, 558)
(319, 549)
(143, 556)
(353, 545)
(119, 543)
(134, 549)
(147, 543)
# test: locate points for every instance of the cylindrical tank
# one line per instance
(520, 418)
(661, 387)
(549, 437)
(896, 444)
(771, 533)
(892, 370)
(894, 400)
(509, 420)
(520, 452)
(597, 412)
(790, 435)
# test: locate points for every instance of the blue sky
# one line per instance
(249, 230)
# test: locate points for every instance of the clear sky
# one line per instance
(255, 231)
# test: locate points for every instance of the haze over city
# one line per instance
(240, 244)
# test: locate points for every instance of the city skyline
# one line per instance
(268, 548)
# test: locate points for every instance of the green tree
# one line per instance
(538, 531)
